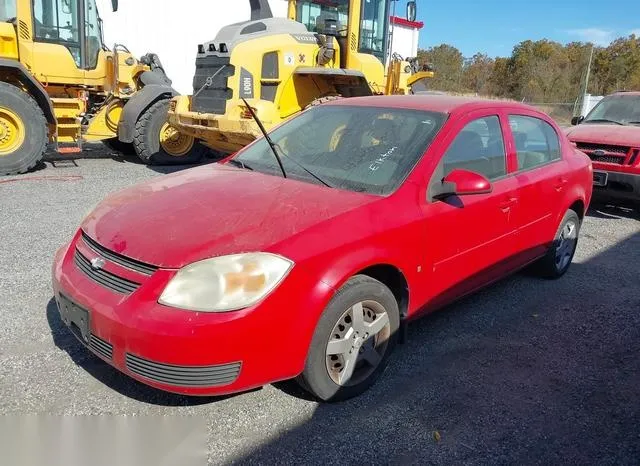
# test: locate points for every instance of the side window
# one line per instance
(92, 33)
(7, 10)
(536, 141)
(479, 147)
(57, 21)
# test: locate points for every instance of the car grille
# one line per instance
(100, 346)
(104, 278)
(212, 97)
(119, 259)
(606, 153)
(183, 376)
(607, 159)
(592, 147)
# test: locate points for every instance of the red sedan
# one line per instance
(303, 256)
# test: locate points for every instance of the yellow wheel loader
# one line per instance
(60, 84)
(325, 49)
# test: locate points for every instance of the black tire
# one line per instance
(316, 378)
(147, 139)
(548, 266)
(125, 148)
(24, 157)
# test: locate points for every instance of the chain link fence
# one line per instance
(561, 112)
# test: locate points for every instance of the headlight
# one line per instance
(225, 283)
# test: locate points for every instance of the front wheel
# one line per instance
(353, 340)
(157, 142)
(23, 131)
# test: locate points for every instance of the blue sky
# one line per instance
(495, 26)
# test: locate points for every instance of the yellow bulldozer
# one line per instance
(60, 85)
(324, 49)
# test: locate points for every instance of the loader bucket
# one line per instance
(419, 82)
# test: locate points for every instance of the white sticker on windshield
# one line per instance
(377, 163)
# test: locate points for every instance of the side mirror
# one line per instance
(462, 183)
(577, 120)
(412, 11)
(114, 5)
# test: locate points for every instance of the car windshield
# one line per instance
(621, 109)
(362, 149)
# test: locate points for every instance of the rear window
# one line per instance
(537, 142)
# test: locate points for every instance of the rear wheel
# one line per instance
(157, 142)
(23, 131)
(353, 340)
(559, 257)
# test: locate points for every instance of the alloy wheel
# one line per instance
(358, 343)
(566, 244)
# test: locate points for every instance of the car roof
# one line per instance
(632, 93)
(435, 103)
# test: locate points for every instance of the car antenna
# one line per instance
(266, 136)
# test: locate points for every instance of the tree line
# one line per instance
(540, 71)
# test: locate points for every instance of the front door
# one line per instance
(468, 236)
(67, 42)
(57, 50)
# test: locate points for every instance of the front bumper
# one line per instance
(618, 185)
(188, 352)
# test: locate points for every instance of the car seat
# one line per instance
(526, 158)
(468, 153)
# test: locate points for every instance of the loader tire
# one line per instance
(23, 131)
(114, 144)
(156, 143)
(322, 100)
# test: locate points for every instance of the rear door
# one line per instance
(541, 178)
(467, 235)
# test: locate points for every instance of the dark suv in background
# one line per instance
(610, 136)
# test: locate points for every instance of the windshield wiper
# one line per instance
(267, 138)
(238, 163)
(275, 147)
(633, 122)
(603, 120)
(310, 173)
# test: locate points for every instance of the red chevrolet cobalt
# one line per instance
(304, 254)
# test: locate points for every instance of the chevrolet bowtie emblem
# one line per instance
(97, 263)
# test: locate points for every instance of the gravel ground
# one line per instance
(526, 372)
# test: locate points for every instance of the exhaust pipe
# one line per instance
(260, 9)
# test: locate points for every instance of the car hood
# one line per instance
(209, 211)
(605, 134)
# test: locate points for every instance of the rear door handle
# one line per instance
(506, 204)
(560, 184)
